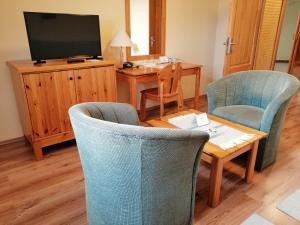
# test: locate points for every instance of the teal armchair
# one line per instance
(257, 99)
(135, 175)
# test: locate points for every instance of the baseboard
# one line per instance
(282, 61)
(11, 141)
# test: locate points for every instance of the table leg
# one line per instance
(133, 92)
(215, 182)
(197, 88)
(251, 162)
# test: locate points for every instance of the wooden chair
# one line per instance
(169, 90)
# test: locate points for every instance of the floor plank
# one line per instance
(51, 191)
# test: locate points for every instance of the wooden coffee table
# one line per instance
(216, 156)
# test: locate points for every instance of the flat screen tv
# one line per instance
(56, 36)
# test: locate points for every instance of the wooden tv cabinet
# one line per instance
(44, 93)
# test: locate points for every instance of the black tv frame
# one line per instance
(70, 59)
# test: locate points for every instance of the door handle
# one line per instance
(152, 40)
(229, 43)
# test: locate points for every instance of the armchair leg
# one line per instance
(143, 108)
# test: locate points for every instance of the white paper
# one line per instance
(227, 137)
(220, 134)
(184, 122)
(202, 119)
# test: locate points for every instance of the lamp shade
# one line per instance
(121, 39)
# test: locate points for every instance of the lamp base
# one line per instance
(127, 65)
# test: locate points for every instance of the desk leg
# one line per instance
(133, 92)
(197, 88)
(215, 182)
(251, 162)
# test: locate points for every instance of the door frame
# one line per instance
(295, 46)
(278, 32)
(162, 35)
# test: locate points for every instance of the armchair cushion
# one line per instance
(247, 115)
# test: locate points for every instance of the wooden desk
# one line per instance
(134, 76)
(215, 156)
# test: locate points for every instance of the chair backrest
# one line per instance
(135, 175)
(256, 88)
(169, 81)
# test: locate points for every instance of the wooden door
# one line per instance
(96, 84)
(242, 35)
(49, 96)
(295, 57)
(157, 20)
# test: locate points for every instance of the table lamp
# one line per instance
(121, 39)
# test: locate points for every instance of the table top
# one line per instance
(210, 148)
(142, 70)
(27, 66)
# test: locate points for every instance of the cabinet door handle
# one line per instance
(70, 78)
(79, 77)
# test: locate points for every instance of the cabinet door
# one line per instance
(66, 96)
(96, 84)
(49, 95)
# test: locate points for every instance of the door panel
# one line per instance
(269, 34)
(110, 83)
(242, 35)
(49, 96)
(65, 89)
(155, 32)
(96, 84)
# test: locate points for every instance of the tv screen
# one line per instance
(54, 36)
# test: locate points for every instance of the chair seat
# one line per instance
(151, 92)
(249, 116)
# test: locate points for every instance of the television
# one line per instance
(59, 36)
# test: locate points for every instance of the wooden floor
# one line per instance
(52, 191)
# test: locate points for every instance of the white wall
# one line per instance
(191, 32)
(14, 44)
(221, 35)
(288, 29)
